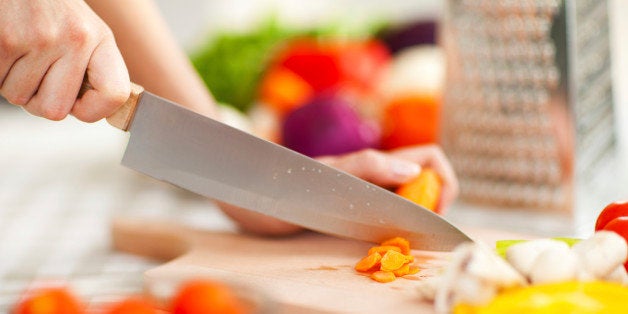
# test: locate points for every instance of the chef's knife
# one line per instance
(176, 145)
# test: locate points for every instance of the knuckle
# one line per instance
(79, 34)
(8, 43)
(44, 38)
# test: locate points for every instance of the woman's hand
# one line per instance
(387, 169)
(393, 168)
(46, 47)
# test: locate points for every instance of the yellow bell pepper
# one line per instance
(565, 297)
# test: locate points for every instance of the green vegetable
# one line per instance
(232, 63)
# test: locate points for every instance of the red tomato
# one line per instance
(317, 64)
(50, 301)
(132, 306)
(331, 64)
(610, 212)
(206, 297)
(620, 226)
(362, 63)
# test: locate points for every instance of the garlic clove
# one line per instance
(602, 253)
(490, 267)
(522, 255)
(475, 274)
(554, 264)
(618, 275)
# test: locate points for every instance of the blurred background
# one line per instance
(388, 63)
(61, 182)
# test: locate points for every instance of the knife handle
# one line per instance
(120, 119)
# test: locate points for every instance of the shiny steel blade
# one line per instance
(173, 144)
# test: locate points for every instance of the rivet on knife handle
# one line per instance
(120, 119)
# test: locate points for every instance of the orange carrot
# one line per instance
(369, 262)
(413, 270)
(383, 276)
(382, 249)
(392, 260)
(401, 243)
(424, 190)
(402, 271)
(389, 260)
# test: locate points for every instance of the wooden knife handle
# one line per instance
(120, 119)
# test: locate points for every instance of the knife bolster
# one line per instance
(121, 119)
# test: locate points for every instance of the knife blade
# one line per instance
(197, 153)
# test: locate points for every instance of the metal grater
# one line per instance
(528, 109)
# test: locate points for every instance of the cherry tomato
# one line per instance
(57, 300)
(620, 226)
(132, 305)
(206, 297)
(610, 212)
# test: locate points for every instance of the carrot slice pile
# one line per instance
(369, 262)
(388, 261)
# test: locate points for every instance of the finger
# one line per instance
(59, 88)
(375, 166)
(433, 157)
(24, 78)
(11, 50)
(109, 78)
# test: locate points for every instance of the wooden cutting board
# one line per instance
(307, 273)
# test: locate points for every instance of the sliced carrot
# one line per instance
(413, 270)
(369, 262)
(382, 249)
(401, 243)
(383, 276)
(410, 258)
(402, 271)
(392, 260)
(424, 190)
(389, 260)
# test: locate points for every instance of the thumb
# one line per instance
(109, 79)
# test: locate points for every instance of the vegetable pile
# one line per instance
(322, 91)
(559, 275)
(391, 259)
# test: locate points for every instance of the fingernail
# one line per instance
(404, 168)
